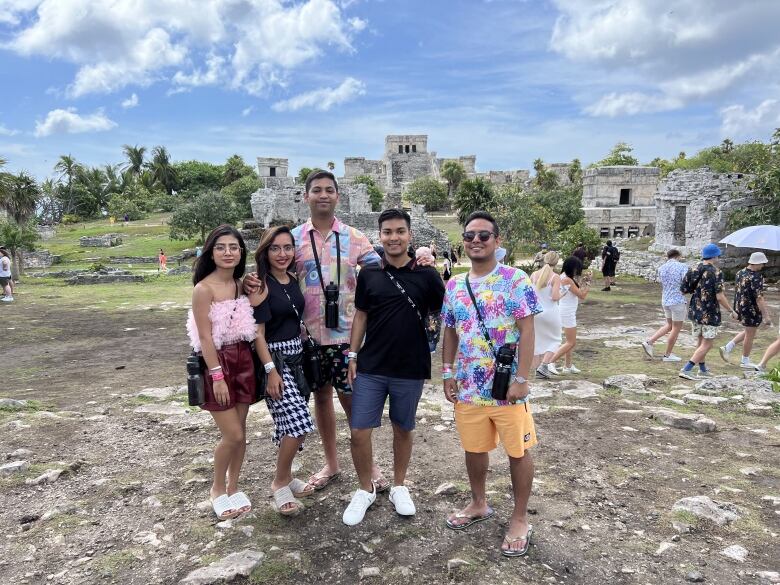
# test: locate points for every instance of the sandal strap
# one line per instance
(240, 500)
(222, 504)
(298, 486)
(284, 496)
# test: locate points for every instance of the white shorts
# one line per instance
(568, 320)
(676, 312)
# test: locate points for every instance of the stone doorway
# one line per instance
(678, 234)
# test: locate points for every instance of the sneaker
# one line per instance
(572, 370)
(688, 375)
(724, 354)
(705, 374)
(606, 288)
(553, 370)
(748, 366)
(7, 299)
(759, 368)
(543, 372)
(671, 358)
(356, 511)
(648, 348)
(402, 500)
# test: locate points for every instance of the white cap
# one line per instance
(758, 258)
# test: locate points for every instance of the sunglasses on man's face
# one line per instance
(483, 236)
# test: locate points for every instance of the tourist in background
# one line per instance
(609, 259)
(771, 351)
(221, 325)
(547, 324)
(574, 287)
(501, 312)
(6, 282)
(539, 257)
(580, 252)
(670, 275)
(279, 346)
(446, 267)
(750, 305)
(705, 285)
(163, 260)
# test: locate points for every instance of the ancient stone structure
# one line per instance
(105, 275)
(561, 171)
(40, 259)
(104, 241)
(618, 200)
(271, 167)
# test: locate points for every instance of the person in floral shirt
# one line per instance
(671, 275)
(705, 285)
(750, 305)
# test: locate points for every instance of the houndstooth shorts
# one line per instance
(291, 414)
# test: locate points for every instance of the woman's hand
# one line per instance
(275, 385)
(221, 393)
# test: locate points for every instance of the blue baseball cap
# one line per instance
(710, 251)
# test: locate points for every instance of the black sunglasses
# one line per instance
(483, 236)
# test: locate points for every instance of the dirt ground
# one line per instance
(125, 509)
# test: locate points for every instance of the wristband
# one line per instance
(352, 355)
(447, 376)
(216, 369)
(446, 367)
(217, 376)
(268, 367)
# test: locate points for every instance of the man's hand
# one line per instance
(351, 372)
(517, 391)
(252, 284)
(451, 390)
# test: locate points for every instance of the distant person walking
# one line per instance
(771, 351)
(163, 262)
(671, 275)
(539, 257)
(609, 259)
(446, 267)
(571, 294)
(750, 305)
(580, 253)
(705, 285)
(547, 324)
(5, 276)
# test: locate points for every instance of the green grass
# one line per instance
(448, 224)
(111, 564)
(273, 571)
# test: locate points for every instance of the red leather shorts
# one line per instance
(239, 370)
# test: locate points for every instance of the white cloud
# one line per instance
(250, 45)
(323, 99)
(246, 111)
(7, 131)
(130, 102)
(758, 123)
(70, 122)
(630, 103)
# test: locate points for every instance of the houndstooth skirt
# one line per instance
(291, 414)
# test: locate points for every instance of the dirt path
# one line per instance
(125, 509)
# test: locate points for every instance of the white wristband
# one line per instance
(352, 355)
(268, 367)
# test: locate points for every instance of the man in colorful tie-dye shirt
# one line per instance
(507, 302)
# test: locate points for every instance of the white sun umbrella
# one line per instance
(764, 237)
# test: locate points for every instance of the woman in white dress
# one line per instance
(547, 324)
(571, 294)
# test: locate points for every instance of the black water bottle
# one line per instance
(332, 306)
(312, 365)
(195, 388)
(503, 373)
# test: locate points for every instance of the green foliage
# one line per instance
(375, 195)
(240, 192)
(234, 169)
(619, 155)
(454, 173)
(545, 178)
(96, 267)
(163, 172)
(563, 203)
(521, 219)
(472, 195)
(304, 173)
(575, 173)
(202, 215)
(195, 177)
(119, 205)
(161, 201)
(429, 192)
(70, 219)
(773, 376)
(571, 237)
(17, 237)
(19, 196)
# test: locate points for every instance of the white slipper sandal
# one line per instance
(284, 496)
(241, 502)
(224, 507)
(298, 488)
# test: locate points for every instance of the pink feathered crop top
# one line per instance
(231, 321)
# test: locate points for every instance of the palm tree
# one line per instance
(21, 197)
(135, 158)
(16, 238)
(331, 165)
(454, 173)
(162, 170)
(51, 206)
(68, 167)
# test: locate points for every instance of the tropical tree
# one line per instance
(331, 165)
(564, 203)
(234, 169)
(50, 205)
(576, 234)
(240, 192)
(67, 167)
(521, 218)
(375, 195)
(135, 159)
(205, 212)
(303, 174)
(20, 197)
(454, 173)
(472, 195)
(429, 192)
(93, 180)
(195, 177)
(545, 178)
(163, 171)
(17, 237)
(619, 155)
(575, 172)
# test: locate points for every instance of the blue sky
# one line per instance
(507, 80)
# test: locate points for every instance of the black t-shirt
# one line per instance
(396, 343)
(281, 322)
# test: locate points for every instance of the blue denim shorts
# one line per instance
(369, 393)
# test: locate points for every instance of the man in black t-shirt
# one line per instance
(392, 302)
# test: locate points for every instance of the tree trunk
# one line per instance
(17, 264)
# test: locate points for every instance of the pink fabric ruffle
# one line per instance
(224, 328)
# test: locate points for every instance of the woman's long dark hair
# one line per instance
(261, 254)
(205, 265)
(572, 267)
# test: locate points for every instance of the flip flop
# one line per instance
(283, 496)
(381, 484)
(299, 490)
(224, 507)
(240, 502)
(320, 482)
(510, 541)
(472, 519)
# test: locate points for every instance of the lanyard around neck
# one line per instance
(317, 259)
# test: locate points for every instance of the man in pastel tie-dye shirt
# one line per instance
(507, 302)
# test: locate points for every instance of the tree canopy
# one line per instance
(429, 192)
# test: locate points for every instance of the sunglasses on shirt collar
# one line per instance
(483, 236)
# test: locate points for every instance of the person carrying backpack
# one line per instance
(609, 259)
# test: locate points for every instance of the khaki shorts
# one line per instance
(482, 427)
(676, 312)
(706, 331)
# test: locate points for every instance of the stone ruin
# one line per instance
(104, 241)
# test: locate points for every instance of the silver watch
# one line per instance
(520, 379)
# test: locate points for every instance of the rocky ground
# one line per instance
(641, 477)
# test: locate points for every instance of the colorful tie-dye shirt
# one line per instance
(356, 251)
(503, 296)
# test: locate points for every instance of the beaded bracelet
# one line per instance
(217, 376)
(446, 376)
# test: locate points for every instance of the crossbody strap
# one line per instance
(482, 325)
(292, 304)
(404, 293)
(317, 260)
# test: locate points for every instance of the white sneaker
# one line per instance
(7, 299)
(356, 511)
(748, 365)
(571, 370)
(671, 358)
(648, 348)
(402, 500)
(543, 371)
(724, 354)
(688, 375)
(553, 370)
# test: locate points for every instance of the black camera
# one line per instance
(195, 389)
(503, 373)
(332, 306)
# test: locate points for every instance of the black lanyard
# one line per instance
(317, 259)
(294, 308)
(482, 325)
(403, 292)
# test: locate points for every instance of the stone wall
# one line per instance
(561, 171)
(407, 143)
(271, 206)
(601, 186)
(469, 163)
(40, 259)
(405, 168)
(104, 241)
(265, 164)
(612, 222)
(358, 165)
(499, 178)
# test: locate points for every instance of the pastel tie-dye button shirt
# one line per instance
(504, 295)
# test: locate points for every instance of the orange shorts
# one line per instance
(482, 427)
